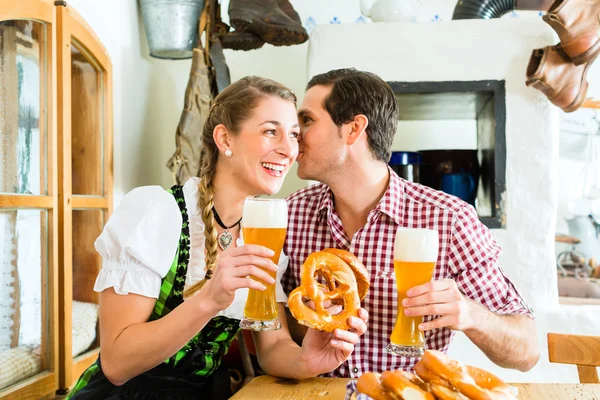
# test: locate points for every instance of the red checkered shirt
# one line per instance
(467, 253)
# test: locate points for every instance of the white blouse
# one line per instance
(139, 242)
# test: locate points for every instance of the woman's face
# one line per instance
(266, 146)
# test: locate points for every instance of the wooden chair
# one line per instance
(583, 351)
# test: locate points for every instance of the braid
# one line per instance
(205, 204)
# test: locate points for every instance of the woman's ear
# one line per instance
(221, 138)
(357, 128)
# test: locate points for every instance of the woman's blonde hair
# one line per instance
(231, 107)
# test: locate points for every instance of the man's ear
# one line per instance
(221, 137)
(358, 127)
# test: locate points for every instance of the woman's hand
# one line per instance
(234, 270)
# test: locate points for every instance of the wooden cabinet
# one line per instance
(55, 194)
(85, 179)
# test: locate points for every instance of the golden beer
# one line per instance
(409, 275)
(264, 223)
(415, 256)
(262, 305)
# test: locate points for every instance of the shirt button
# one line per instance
(355, 370)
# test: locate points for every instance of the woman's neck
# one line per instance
(228, 199)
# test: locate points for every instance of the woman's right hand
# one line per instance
(234, 270)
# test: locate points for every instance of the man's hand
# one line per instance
(439, 298)
(325, 351)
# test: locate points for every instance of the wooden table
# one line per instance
(270, 388)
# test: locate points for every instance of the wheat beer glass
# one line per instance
(415, 255)
(264, 222)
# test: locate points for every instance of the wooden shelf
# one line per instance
(577, 301)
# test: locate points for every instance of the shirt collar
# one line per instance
(326, 202)
(390, 204)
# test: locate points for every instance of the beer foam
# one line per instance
(416, 245)
(265, 213)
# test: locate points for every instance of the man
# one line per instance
(348, 120)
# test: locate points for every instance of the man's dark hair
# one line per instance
(356, 92)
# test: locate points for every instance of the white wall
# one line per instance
(148, 93)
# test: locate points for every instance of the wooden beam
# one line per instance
(18, 201)
(35, 10)
(33, 388)
(89, 202)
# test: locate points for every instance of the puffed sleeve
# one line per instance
(139, 242)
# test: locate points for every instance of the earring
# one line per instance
(228, 153)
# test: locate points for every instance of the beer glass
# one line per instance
(264, 222)
(415, 255)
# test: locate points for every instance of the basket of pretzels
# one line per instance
(436, 376)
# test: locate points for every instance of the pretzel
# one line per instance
(450, 380)
(405, 386)
(369, 383)
(341, 288)
(360, 272)
(393, 385)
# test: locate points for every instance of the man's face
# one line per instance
(321, 144)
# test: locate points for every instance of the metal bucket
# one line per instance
(171, 27)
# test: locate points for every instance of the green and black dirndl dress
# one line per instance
(194, 371)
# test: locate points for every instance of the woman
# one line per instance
(158, 245)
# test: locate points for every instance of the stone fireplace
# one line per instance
(434, 68)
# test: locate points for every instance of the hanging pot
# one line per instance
(171, 27)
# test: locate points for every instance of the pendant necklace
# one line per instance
(225, 238)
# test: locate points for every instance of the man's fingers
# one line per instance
(444, 296)
(334, 310)
(331, 309)
(438, 323)
(433, 309)
(358, 325)
(310, 304)
(431, 286)
(346, 336)
(364, 315)
(343, 346)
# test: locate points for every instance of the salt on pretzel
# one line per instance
(450, 380)
(341, 288)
